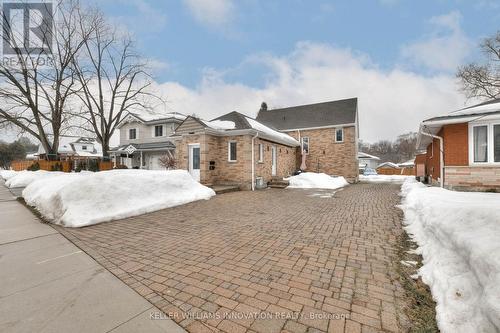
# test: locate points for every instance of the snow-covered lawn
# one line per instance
(316, 180)
(82, 199)
(458, 236)
(384, 178)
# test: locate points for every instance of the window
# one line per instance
(496, 142)
(480, 143)
(232, 151)
(84, 147)
(339, 135)
(304, 144)
(261, 152)
(158, 130)
(132, 134)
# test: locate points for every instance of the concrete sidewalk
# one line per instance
(49, 285)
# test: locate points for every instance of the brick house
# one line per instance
(462, 149)
(233, 149)
(238, 150)
(328, 133)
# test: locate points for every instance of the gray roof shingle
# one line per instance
(311, 115)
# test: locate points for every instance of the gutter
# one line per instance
(441, 155)
(253, 160)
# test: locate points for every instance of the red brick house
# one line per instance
(462, 149)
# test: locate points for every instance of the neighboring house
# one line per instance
(75, 147)
(463, 147)
(234, 149)
(407, 164)
(328, 133)
(367, 161)
(145, 138)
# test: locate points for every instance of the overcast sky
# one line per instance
(399, 57)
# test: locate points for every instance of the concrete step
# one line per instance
(220, 189)
(278, 183)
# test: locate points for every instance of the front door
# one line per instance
(273, 159)
(194, 161)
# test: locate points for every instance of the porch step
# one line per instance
(278, 183)
(220, 189)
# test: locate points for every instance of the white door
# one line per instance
(273, 159)
(194, 161)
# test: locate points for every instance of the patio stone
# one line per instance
(279, 252)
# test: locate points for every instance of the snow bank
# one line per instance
(77, 200)
(7, 174)
(316, 180)
(384, 178)
(458, 234)
(24, 178)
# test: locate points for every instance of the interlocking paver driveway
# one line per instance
(265, 261)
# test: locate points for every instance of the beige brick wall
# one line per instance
(215, 148)
(286, 160)
(472, 178)
(328, 156)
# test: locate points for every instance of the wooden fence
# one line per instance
(65, 166)
(394, 171)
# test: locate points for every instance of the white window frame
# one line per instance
(261, 152)
(335, 134)
(136, 133)
(302, 144)
(229, 151)
(84, 147)
(163, 130)
(491, 149)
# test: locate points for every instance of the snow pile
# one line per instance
(384, 178)
(77, 200)
(7, 174)
(221, 124)
(316, 180)
(24, 178)
(287, 139)
(458, 234)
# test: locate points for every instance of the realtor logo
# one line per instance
(27, 27)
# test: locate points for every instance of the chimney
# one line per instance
(263, 107)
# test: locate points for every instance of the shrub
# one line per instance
(120, 166)
(93, 165)
(34, 167)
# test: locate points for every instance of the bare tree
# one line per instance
(37, 83)
(112, 76)
(483, 80)
(168, 161)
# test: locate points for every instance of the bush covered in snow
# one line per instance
(458, 234)
(82, 199)
(316, 180)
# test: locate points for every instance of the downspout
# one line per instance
(441, 155)
(253, 160)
